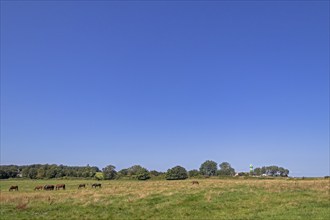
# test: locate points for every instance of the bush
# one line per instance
(176, 173)
(99, 176)
(159, 177)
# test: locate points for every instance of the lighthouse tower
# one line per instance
(251, 168)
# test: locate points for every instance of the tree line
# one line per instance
(47, 171)
(271, 171)
(207, 169)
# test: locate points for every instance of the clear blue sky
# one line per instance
(166, 83)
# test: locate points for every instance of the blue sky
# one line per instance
(166, 83)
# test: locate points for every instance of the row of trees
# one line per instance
(210, 168)
(271, 171)
(207, 169)
(42, 171)
(134, 172)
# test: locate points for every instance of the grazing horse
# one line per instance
(195, 182)
(60, 186)
(49, 187)
(12, 188)
(38, 188)
(82, 186)
(95, 185)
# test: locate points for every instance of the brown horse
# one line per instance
(60, 186)
(13, 188)
(95, 185)
(49, 187)
(82, 186)
(38, 188)
(195, 182)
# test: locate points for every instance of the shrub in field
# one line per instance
(159, 177)
(176, 173)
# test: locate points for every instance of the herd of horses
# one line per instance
(56, 187)
(62, 186)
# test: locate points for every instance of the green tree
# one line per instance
(133, 170)
(142, 174)
(25, 172)
(272, 171)
(99, 176)
(283, 172)
(51, 172)
(33, 173)
(257, 171)
(193, 173)
(3, 174)
(41, 173)
(176, 173)
(109, 172)
(60, 173)
(226, 169)
(123, 172)
(208, 168)
(156, 173)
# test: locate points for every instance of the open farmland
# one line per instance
(210, 199)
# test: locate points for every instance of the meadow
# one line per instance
(161, 199)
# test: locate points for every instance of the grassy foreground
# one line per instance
(211, 199)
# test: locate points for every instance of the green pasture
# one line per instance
(161, 199)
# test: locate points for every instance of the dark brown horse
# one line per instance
(49, 187)
(82, 186)
(60, 186)
(195, 182)
(38, 188)
(13, 188)
(95, 185)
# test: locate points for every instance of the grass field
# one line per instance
(211, 199)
